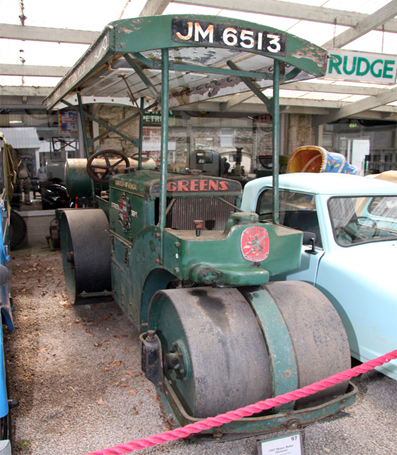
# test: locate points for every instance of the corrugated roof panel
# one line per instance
(22, 138)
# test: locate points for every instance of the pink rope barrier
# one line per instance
(247, 411)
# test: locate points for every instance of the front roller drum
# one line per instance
(219, 352)
(85, 244)
(228, 348)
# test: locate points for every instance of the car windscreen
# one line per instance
(297, 211)
(358, 220)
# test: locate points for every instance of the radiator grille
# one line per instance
(211, 210)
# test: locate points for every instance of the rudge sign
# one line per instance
(225, 35)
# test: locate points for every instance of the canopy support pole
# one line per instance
(276, 139)
(140, 138)
(86, 143)
(164, 148)
(82, 120)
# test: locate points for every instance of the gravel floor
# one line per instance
(76, 373)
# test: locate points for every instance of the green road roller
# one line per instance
(189, 268)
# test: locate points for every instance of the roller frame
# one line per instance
(282, 354)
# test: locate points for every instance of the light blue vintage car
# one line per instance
(352, 259)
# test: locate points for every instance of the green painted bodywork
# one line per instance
(213, 258)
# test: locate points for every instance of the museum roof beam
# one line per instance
(380, 17)
(360, 24)
(56, 35)
(371, 102)
(363, 26)
(366, 90)
(273, 8)
(33, 70)
(26, 91)
(292, 105)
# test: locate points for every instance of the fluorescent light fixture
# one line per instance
(15, 119)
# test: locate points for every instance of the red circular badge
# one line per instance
(255, 244)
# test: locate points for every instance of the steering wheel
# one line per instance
(372, 224)
(99, 172)
(347, 230)
(353, 228)
(144, 158)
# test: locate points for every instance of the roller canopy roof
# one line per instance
(208, 56)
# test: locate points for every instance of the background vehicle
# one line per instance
(389, 176)
(353, 221)
(187, 266)
(54, 195)
(5, 297)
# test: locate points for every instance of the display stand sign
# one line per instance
(286, 445)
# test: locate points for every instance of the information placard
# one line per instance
(285, 445)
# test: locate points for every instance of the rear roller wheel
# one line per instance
(85, 245)
(17, 229)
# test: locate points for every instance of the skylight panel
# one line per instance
(316, 32)
(10, 12)
(281, 23)
(75, 14)
(374, 41)
(180, 8)
(358, 6)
